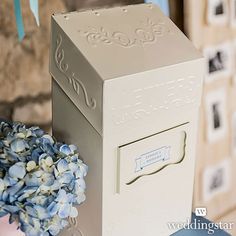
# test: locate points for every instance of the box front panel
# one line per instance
(145, 204)
(150, 126)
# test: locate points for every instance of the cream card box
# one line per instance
(127, 89)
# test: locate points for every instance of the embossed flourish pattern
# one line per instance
(180, 92)
(73, 229)
(72, 79)
(143, 35)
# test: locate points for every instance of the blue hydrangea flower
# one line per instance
(41, 180)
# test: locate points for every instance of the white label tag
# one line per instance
(152, 157)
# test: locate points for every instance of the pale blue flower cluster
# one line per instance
(41, 180)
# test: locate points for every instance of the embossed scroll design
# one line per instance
(72, 228)
(72, 79)
(180, 92)
(143, 35)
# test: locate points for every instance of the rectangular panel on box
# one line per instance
(150, 155)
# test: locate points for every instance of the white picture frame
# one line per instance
(216, 179)
(216, 115)
(219, 60)
(217, 12)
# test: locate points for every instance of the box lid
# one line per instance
(121, 51)
(126, 40)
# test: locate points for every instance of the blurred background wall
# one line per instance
(24, 74)
(211, 26)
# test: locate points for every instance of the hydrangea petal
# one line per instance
(10, 209)
(80, 198)
(65, 149)
(49, 161)
(39, 200)
(11, 198)
(48, 138)
(42, 212)
(12, 218)
(53, 208)
(1, 144)
(56, 185)
(31, 211)
(15, 188)
(30, 166)
(20, 135)
(66, 178)
(73, 167)
(70, 198)
(73, 212)
(64, 223)
(32, 180)
(12, 156)
(47, 179)
(25, 195)
(74, 158)
(54, 229)
(61, 196)
(2, 185)
(82, 171)
(62, 166)
(10, 181)
(17, 170)
(36, 154)
(81, 184)
(73, 148)
(5, 196)
(18, 145)
(37, 131)
(64, 211)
